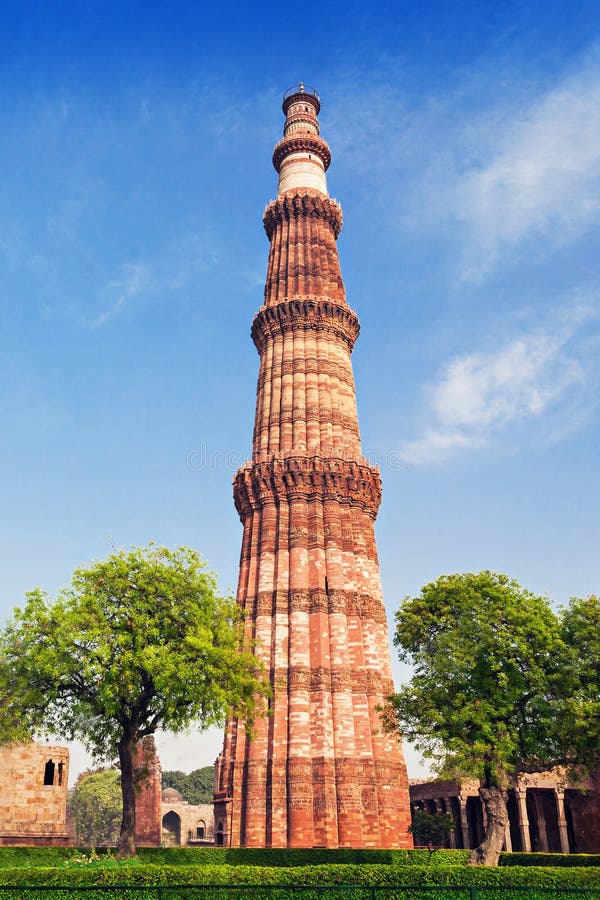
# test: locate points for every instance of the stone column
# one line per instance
(541, 822)
(464, 822)
(507, 838)
(559, 794)
(521, 796)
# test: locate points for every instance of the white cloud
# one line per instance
(532, 376)
(172, 270)
(541, 180)
(132, 280)
(502, 162)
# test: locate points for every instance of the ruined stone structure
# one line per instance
(547, 812)
(148, 797)
(185, 824)
(318, 771)
(33, 795)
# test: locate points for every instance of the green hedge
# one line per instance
(251, 856)
(263, 892)
(36, 856)
(371, 875)
(245, 856)
(550, 859)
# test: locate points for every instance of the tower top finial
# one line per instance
(302, 92)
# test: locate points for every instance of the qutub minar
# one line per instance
(318, 771)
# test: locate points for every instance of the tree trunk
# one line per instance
(127, 835)
(494, 803)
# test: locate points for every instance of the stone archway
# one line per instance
(219, 835)
(171, 829)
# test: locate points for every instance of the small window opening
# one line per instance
(306, 109)
(49, 772)
(200, 832)
(60, 773)
(326, 586)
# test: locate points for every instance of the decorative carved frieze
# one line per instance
(308, 367)
(295, 206)
(310, 314)
(298, 677)
(299, 601)
(337, 680)
(301, 143)
(306, 478)
(315, 600)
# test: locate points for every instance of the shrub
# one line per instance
(142, 874)
(550, 859)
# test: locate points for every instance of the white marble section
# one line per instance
(302, 170)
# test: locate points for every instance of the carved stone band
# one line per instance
(306, 478)
(349, 603)
(306, 313)
(341, 680)
(296, 206)
(299, 143)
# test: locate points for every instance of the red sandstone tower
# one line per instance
(318, 771)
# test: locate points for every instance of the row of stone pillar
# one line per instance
(443, 805)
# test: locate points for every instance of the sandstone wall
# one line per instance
(33, 795)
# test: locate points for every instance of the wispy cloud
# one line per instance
(533, 376)
(498, 163)
(171, 271)
(541, 180)
(132, 280)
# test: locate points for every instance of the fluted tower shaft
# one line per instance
(318, 771)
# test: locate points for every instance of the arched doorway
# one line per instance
(219, 836)
(200, 830)
(171, 830)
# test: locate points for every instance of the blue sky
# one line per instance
(136, 162)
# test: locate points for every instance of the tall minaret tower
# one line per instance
(318, 771)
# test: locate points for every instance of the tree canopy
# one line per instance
(489, 677)
(138, 641)
(581, 629)
(97, 807)
(195, 787)
(430, 829)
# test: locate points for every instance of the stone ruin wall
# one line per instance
(148, 798)
(33, 795)
(188, 820)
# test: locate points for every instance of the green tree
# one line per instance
(489, 678)
(138, 641)
(97, 807)
(581, 628)
(195, 787)
(430, 830)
